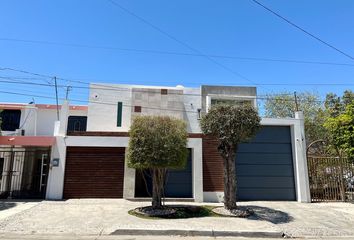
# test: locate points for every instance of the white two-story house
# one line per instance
(90, 162)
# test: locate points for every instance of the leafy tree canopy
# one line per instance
(315, 111)
(231, 124)
(283, 105)
(341, 131)
(157, 142)
(335, 105)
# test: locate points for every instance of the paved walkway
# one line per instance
(105, 216)
(9, 208)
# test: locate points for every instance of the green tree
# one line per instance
(282, 105)
(230, 125)
(157, 143)
(341, 131)
(335, 105)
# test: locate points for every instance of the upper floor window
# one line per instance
(230, 101)
(119, 114)
(77, 123)
(137, 109)
(10, 120)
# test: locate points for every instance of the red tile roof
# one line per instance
(39, 141)
(15, 106)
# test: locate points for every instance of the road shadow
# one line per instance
(269, 215)
(6, 205)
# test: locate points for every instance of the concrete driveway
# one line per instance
(106, 216)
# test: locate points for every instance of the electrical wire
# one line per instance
(303, 30)
(143, 51)
(156, 108)
(160, 30)
(122, 89)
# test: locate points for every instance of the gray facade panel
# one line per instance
(255, 158)
(267, 182)
(273, 134)
(271, 194)
(264, 166)
(179, 182)
(265, 170)
(273, 148)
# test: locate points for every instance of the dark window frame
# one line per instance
(164, 91)
(119, 114)
(11, 119)
(137, 109)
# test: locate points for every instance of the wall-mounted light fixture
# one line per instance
(199, 113)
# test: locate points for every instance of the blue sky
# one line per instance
(231, 28)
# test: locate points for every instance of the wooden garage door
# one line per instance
(94, 172)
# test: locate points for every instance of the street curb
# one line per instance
(201, 233)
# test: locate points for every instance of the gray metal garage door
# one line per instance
(179, 182)
(264, 166)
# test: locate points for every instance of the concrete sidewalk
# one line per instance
(105, 216)
(9, 208)
(130, 237)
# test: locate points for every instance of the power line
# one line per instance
(26, 72)
(160, 30)
(103, 103)
(112, 88)
(303, 30)
(146, 90)
(142, 51)
(119, 89)
(166, 109)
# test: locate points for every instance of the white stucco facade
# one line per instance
(179, 102)
(39, 120)
(185, 103)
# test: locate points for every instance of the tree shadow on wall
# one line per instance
(269, 215)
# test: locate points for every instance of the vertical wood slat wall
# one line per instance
(213, 173)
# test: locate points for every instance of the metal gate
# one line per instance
(23, 172)
(331, 178)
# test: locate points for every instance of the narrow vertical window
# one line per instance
(119, 114)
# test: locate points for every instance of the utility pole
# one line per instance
(296, 103)
(56, 96)
(68, 89)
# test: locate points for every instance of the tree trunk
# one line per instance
(158, 176)
(230, 180)
(226, 182)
